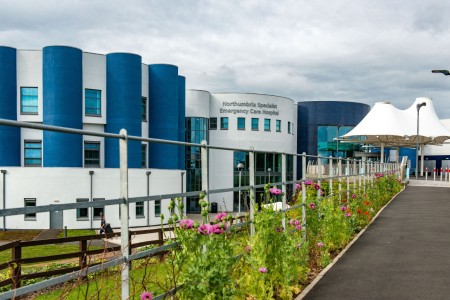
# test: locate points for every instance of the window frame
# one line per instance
(144, 108)
(213, 125)
(22, 112)
(97, 210)
(278, 125)
(239, 120)
(99, 99)
(267, 122)
(78, 211)
(224, 125)
(157, 208)
(32, 216)
(144, 156)
(91, 165)
(25, 142)
(140, 206)
(257, 124)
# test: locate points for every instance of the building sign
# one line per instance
(254, 108)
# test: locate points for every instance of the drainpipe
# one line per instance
(91, 173)
(148, 194)
(4, 197)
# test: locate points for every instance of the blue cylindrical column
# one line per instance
(62, 105)
(163, 115)
(9, 136)
(123, 96)
(181, 120)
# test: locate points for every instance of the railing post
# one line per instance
(347, 173)
(251, 155)
(319, 172)
(304, 195)
(82, 261)
(354, 174)
(205, 175)
(331, 173)
(123, 146)
(17, 270)
(339, 163)
(283, 187)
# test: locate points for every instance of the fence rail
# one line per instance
(337, 169)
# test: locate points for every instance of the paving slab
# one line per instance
(403, 254)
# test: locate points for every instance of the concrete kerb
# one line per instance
(335, 260)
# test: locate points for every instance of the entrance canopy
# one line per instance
(391, 127)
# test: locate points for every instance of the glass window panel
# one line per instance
(266, 124)
(29, 100)
(241, 124)
(278, 125)
(82, 213)
(92, 102)
(140, 209)
(213, 123)
(92, 154)
(224, 123)
(98, 210)
(30, 202)
(255, 124)
(32, 153)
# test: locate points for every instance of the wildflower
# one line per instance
(320, 244)
(348, 215)
(366, 213)
(186, 223)
(366, 202)
(146, 296)
(312, 205)
(354, 196)
(275, 191)
(358, 211)
(343, 208)
(298, 186)
(296, 222)
(205, 229)
(247, 248)
(221, 216)
(308, 182)
(262, 270)
(298, 227)
(317, 186)
(279, 229)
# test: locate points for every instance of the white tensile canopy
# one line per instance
(389, 126)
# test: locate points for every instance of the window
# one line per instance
(255, 124)
(30, 202)
(266, 124)
(278, 125)
(92, 102)
(213, 123)
(82, 213)
(224, 123)
(157, 208)
(292, 128)
(33, 153)
(144, 109)
(98, 210)
(140, 209)
(241, 124)
(29, 100)
(91, 154)
(144, 156)
(289, 127)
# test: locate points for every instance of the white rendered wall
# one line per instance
(439, 150)
(197, 103)
(29, 74)
(94, 78)
(65, 185)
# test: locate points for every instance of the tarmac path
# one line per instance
(403, 254)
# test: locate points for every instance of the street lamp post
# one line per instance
(419, 105)
(269, 170)
(445, 72)
(240, 167)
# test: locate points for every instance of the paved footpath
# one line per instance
(404, 254)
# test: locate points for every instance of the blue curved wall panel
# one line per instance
(181, 120)
(163, 115)
(123, 94)
(10, 136)
(62, 104)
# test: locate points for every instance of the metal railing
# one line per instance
(356, 173)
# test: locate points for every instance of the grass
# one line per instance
(24, 235)
(77, 232)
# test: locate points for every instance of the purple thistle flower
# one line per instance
(279, 229)
(247, 248)
(312, 205)
(296, 222)
(298, 227)
(317, 186)
(343, 208)
(308, 182)
(275, 191)
(354, 196)
(262, 270)
(298, 186)
(146, 296)
(319, 244)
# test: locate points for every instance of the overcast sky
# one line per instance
(350, 50)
